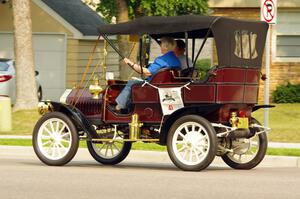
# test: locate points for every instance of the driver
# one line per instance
(167, 60)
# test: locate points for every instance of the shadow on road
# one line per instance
(122, 166)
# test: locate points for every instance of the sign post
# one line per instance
(268, 13)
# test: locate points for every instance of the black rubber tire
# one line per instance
(263, 145)
(110, 161)
(40, 93)
(212, 139)
(74, 145)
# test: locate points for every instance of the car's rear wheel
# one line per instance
(191, 143)
(55, 139)
(247, 152)
(109, 152)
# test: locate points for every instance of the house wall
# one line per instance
(41, 21)
(78, 53)
(77, 50)
(281, 71)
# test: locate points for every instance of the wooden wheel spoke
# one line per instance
(116, 147)
(45, 143)
(106, 150)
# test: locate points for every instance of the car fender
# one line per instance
(80, 121)
(255, 108)
(201, 110)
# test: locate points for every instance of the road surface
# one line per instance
(141, 175)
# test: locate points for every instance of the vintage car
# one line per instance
(198, 118)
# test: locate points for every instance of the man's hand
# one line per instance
(128, 61)
(137, 67)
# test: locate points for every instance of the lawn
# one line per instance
(284, 122)
(23, 122)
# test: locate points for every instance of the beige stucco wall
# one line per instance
(41, 21)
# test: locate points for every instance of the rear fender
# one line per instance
(80, 121)
(201, 110)
(255, 108)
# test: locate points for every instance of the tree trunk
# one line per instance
(123, 40)
(25, 72)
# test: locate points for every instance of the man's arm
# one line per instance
(137, 67)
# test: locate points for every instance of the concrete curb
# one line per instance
(15, 136)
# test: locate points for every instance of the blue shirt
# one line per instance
(168, 60)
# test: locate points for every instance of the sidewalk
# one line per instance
(270, 144)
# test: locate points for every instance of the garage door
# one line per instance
(50, 60)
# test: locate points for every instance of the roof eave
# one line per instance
(76, 33)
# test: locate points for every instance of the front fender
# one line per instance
(201, 110)
(75, 115)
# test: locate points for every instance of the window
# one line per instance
(287, 36)
(3, 66)
(245, 44)
(288, 46)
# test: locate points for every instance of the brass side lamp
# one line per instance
(95, 89)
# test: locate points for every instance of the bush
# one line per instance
(203, 66)
(287, 94)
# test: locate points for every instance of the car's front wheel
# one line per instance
(191, 143)
(55, 139)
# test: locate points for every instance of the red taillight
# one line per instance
(242, 113)
(4, 78)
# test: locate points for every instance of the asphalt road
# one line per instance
(141, 175)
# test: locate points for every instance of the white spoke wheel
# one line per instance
(55, 139)
(110, 152)
(191, 143)
(247, 152)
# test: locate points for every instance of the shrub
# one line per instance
(203, 66)
(287, 94)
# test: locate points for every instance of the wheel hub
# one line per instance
(57, 138)
(241, 147)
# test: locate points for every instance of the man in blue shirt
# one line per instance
(167, 60)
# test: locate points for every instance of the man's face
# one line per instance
(163, 50)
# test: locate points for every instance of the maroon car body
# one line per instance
(216, 109)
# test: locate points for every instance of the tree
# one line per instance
(130, 9)
(137, 8)
(25, 72)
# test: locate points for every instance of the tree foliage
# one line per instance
(137, 8)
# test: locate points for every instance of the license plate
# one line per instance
(243, 123)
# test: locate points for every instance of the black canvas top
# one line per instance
(79, 15)
(238, 42)
(159, 25)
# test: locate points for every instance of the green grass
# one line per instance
(150, 147)
(23, 122)
(15, 142)
(284, 122)
(283, 152)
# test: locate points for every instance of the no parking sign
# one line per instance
(268, 11)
